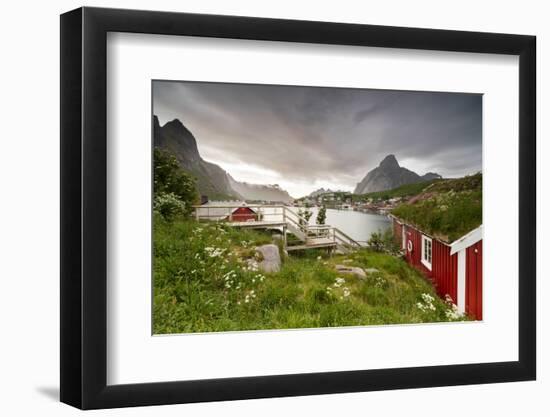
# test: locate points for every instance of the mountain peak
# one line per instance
(388, 175)
(389, 161)
(175, 124)
(212, 180)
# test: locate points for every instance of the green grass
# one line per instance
(406, 190)
(446, 209)
(202, 283)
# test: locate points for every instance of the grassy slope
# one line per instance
(201, 284)
(406, 190)
(447, 209)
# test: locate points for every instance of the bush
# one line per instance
(169, 206)
(383, 242)
(375, 242)
(322, 215)
(170, 179)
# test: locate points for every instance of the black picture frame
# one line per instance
(84, 207)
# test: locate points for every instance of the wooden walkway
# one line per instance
(283, 218)
(315, 243)
(257, 224)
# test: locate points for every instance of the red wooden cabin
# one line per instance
(454, 268)
(243, 214)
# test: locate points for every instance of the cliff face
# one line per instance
(177, 139)
(212, 180)
(388, 175)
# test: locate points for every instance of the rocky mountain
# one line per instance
(388, 175)
(260, 192)
(430, 176)
(319, 192)
(176, 138)
(212, 180)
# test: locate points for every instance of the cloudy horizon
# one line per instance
(306, 138)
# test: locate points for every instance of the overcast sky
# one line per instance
(304, 138)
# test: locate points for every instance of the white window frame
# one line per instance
(403, 237)
(424, 256)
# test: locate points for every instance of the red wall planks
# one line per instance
(444, 271)
(474, 280)
(444, 266)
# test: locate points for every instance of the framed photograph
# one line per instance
(256, 208)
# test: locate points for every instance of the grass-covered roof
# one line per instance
(446, 209)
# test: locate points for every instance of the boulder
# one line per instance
(371, 270)
(271, 258)
(351, 270)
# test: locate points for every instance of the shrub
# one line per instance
(169, 178)
(383, 242)
(169, 206)
(375, 242)
(322, 215)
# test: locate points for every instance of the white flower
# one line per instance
(427, 298)
(339, 282)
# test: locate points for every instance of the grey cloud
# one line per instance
(309, 133)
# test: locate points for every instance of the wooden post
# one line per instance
(284, 236)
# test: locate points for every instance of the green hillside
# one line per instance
(406, 190)
(447, 209)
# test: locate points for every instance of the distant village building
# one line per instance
(454, 268)
(243, 214)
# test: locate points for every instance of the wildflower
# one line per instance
(452, 313)
(427, 298)
(339, 282)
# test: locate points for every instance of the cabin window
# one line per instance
(427, 252)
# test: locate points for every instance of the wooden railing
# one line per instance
(296, 224)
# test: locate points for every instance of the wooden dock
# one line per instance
(257, 224)
(283, 218)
